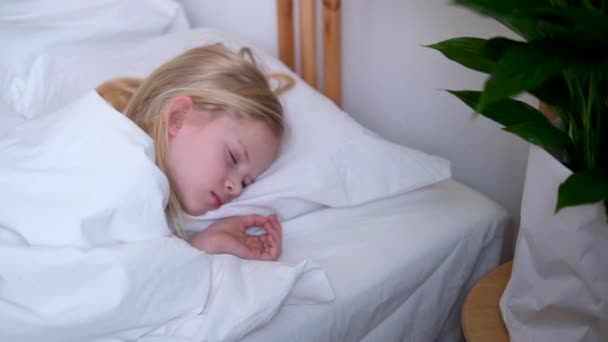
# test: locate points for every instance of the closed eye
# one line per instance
(234, 161)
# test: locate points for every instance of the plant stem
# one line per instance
(589, 137)
(576, 157)
(599, 129)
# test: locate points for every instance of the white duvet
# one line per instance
(86, 254)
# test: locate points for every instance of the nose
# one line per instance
(233, 187)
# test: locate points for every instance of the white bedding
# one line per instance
(86, 253)
(400, 267)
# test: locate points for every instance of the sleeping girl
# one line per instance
(216, 125)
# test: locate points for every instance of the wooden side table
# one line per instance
(481, 317)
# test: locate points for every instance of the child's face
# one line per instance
(211, 161)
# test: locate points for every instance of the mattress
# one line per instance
(400, 267)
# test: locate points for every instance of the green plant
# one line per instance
(562, 61)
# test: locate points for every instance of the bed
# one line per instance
(399, 261)
(400, 266)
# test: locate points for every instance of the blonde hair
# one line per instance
(217, 80)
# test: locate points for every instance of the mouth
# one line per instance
(216, 199)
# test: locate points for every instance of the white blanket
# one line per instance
(86, 254)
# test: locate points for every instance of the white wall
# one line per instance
(252, 20)
(392, 85)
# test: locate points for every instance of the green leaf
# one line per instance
(524, 17)
(587, 20)
(554, 92)
(583, 187)
(546, 136)
(506, 112)
(539, 67)
(531, 27)
(524, 67)
(501, 8)
(542, 18)
(475, 53)
(496, 47)
(519, 118)
(467, 51)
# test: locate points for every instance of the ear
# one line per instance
(178, 108)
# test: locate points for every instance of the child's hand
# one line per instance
(228, 236)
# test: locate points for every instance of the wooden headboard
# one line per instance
(308, 42)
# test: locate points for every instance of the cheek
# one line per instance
(178, 180)
(189, 186)
(181, 170)
(214, 170)
(196, 171)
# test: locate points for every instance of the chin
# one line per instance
(194, 211)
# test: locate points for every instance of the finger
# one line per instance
(253, 220)
(270, 231)
(268, 255)
(245, 248)
(265, 245)
(275, 221)
(275, 248)
(254, 242)
(244, 252)
(273, 231)
(265, 254)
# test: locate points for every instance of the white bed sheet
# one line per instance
(400, 267)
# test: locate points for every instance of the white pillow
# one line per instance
(30, 27)
(327, 158)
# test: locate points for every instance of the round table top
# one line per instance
(481, 317)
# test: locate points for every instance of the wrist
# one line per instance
(203, 241)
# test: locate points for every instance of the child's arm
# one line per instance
(229, 236)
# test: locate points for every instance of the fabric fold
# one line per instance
(86, 252)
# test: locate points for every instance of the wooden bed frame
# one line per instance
(118, 91)
(308, 42)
